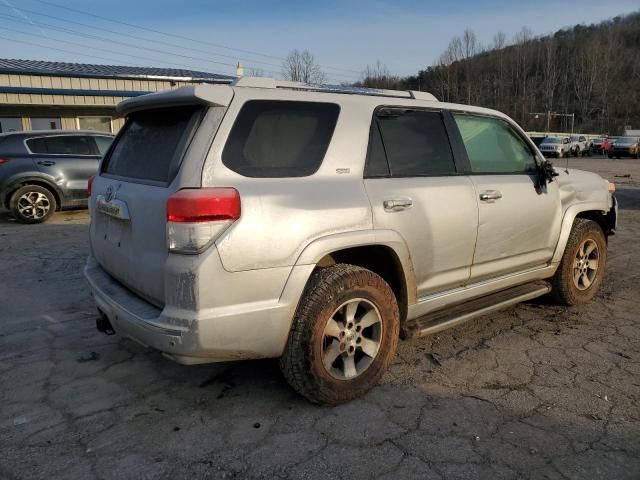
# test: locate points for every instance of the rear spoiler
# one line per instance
(212, 95)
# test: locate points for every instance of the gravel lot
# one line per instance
(537, 391)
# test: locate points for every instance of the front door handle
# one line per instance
(490, 196)
(397, 204)
(46, 163)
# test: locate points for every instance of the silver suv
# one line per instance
(318, 225)
(556, 147)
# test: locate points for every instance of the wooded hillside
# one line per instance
(592, 71)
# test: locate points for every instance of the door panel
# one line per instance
(516, 231)
(421, 196)
(518, 215)
(439, 226)
(70, 160)
(70, 173)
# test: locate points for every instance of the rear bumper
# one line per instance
(256, 329)
(623, 152)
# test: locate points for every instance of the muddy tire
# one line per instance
(583, 264)
(32, 204)
(344, 335)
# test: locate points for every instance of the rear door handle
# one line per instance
(46, 163)
(490, 195)
(397, 204)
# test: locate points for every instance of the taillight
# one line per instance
(3, 161)
(197, 216)
(90, 185)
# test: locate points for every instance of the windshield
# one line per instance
(552, 140)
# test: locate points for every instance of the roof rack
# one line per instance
(264, 82)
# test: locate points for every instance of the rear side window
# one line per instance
(492, 147)
(103, 144)
(280, 139)
(63, 145)
(416, 144)
(152, 144)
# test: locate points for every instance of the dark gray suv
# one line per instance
(45, 171)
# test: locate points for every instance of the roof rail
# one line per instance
(263, 82)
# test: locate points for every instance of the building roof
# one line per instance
(41, 67)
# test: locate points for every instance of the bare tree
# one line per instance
(585, 71)
(256, 72)
(549, 71)
(301, 66)
(378, 76)
(499, 41)
(469, 50)
(522, 38)
(498, 45)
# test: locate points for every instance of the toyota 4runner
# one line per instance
(320, 225)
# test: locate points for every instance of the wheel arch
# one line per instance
(33, 180)
(592, 211)
(382, 251)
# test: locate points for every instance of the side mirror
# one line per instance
(548, 172)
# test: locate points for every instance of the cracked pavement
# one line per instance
(537, 391)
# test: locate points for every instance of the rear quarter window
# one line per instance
(271, 139)
(103, 144)
(152, 144)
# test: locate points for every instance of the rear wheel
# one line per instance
(583, 264)
(344, 335)
(32, 204)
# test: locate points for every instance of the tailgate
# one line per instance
(128, 203)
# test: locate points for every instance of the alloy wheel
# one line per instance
(585, 264)
(34, 205)
(351, 339)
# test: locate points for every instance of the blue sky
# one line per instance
(405, 35)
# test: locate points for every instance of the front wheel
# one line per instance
(32, 204)
(583, 264)
(344, 335)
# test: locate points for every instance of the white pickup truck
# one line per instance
(579, 145)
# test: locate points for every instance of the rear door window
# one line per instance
(63, 145)
(415, 142)
(271, 139)
(152, 144)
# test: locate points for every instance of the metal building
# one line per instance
(41, 95)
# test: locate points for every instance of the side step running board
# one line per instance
(450, 317)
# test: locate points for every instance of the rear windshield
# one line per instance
(280, 139)
(152, 144)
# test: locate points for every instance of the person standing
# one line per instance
(605, 147)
